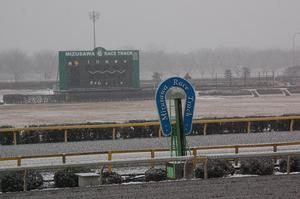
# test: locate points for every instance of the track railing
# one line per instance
(151, 161)
(151, 152)
(65, 129)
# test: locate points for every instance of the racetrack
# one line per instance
(232, 106)
(282, 186)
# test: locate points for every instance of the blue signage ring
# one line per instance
(162, 108)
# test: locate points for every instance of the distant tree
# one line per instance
(45, 62)
(2, 68)
(202, 73)
(212, 72)
(16, 62)
(246, 72)
(218, 59)
(187, 76)
(156, 78)
(292, 71)
(237, 71)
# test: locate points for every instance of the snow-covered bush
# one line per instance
(13, 181)
(111, 178)
(215, 169)
(155, 175)
(68, 177)
(294, 164)
(257, 166)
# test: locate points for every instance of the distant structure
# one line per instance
(99, 69)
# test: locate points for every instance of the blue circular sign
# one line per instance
(163, 109)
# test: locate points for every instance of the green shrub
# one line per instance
(68, 177)
(13, 181)
(215, 169)
(257, 166)
(294, 165)
(111, 178)
(155, 175)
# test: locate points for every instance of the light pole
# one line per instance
(94, 16)
(294, 47)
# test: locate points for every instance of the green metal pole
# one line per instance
(181, 143)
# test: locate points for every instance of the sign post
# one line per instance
(175, 82)
(183, 122)
(180, 136)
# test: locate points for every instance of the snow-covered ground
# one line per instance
(208, 106)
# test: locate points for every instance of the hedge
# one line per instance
(294, 165)
(215, 169)
(257, 166)
(155, 175)
(68, 177)
(13, 181)
(111, 178)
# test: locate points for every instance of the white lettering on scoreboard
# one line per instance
(92, 53)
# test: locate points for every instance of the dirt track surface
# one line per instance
(286, 186)
(147, 143)
(20, 115)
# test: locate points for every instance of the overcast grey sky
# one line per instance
(172, 25)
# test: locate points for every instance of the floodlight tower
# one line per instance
(94, 16)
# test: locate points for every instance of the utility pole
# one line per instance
(94, 16)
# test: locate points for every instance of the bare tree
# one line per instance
(2, 68)
(292, 71)
(45, 63)
(187, 76)
(16, 62)
(237, 71)
(214, 60)
(157, 77)
(202, 73)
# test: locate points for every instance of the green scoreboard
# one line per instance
(98, 69)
